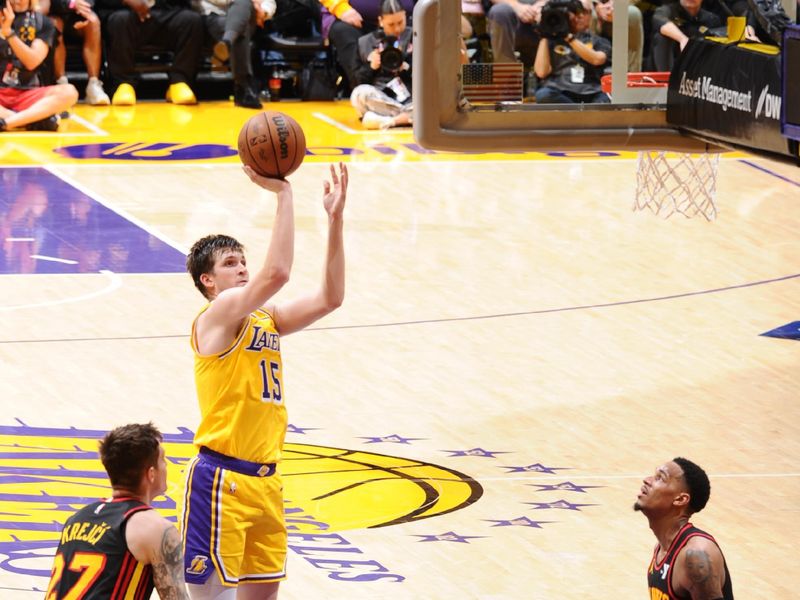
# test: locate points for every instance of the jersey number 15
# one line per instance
(270, 377)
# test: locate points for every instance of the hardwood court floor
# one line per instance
(517, 349)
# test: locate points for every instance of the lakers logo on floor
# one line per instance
(49, 472)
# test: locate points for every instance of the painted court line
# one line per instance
(350, 130)
(573, 475)
(122, 213)
(114, 283)
(90, 126)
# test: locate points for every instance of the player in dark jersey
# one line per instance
(687, 563)
(121, 547)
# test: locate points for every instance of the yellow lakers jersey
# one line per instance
(242, 411)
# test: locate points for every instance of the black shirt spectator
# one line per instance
(674, 24)
(26, 37)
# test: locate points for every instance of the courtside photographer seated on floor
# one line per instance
(382, 95)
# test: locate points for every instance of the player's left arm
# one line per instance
(700, 572)
(153, 540)
(300, 313)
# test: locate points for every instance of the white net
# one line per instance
(669, 183)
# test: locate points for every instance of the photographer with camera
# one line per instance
(570, 59)
(382, 95)
(26, 37)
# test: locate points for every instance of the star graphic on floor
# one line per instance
(394, 439)
(519, 521)
(562, 504)
(450, 536)
(535, 468)
(564, 486)
(301, 430)
(474, 452)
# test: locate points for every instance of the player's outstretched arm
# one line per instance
(236, 303)
(153, 540)
(700, 570)
(300, 313)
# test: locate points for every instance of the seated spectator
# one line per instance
(382, 95)
(230, 25)
(169, 24)
(603, 25)
(513, 27)
(344, 22)
(26, 37)
(473, 24)
(76, 18)
(298, 18)
(570, 64)
(673, 25)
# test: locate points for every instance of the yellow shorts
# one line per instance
(233, 521)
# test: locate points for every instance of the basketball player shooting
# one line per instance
(233, 525)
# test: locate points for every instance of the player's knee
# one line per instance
(211, 590)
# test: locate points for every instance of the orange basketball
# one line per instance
(272, 143)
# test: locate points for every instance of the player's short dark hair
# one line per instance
(203, 254)
(127, 451)
(697, 483)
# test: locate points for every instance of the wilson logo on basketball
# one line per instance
(282, 129)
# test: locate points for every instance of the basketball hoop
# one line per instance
(672, 183)
(639, 80)
(681, 183)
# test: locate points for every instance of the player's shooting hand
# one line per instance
(336, 194)
(273, 184)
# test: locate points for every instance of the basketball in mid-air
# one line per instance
(272, 144)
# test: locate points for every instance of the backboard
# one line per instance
(636, 119)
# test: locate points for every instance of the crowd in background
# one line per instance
(564, 46)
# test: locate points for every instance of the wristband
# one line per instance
(569, 37)
(72, 4)
(9, 36)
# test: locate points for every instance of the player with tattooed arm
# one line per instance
(121, 547)
(687, 562)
